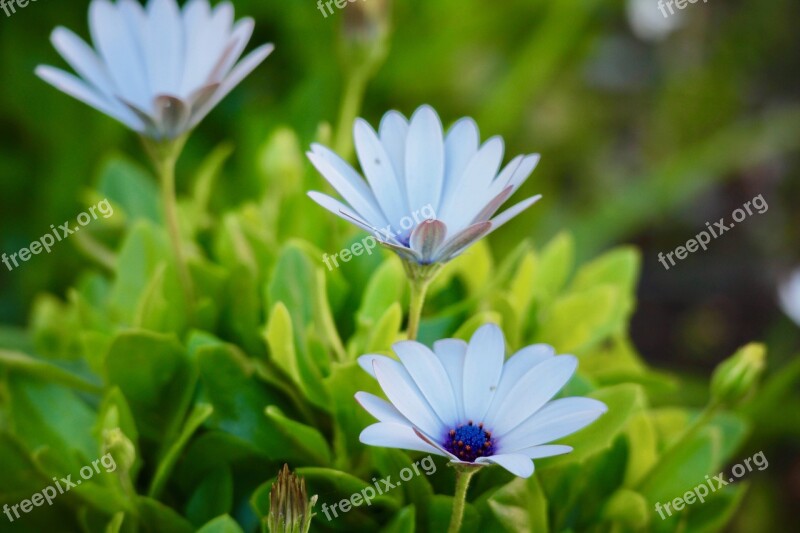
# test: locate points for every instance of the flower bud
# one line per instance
(289, 506)
(628, 508)
(120, 447)
(737, 375)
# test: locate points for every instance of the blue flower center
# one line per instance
(469, 441)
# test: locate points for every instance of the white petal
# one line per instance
(203, 40)
(395, 436)
(789, 294)
(483, 366)
(349, 184)
(164, 47)
(401, 390)
(339, 209)
(239, 72)
(513, 211)
(366, 362)
(540, 452)
(393, 133)
(78, 89)
(557, 419)
(379, 171)
(381, 409)
(532, 391)
(471, 192)
(460, 146)
(424, 159)
(516, 367)
(83, 59)
(242, 32)
(120, 51)
(517, 464)
(452, 352)
(430, 376)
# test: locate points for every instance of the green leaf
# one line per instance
(221, 524)
(199, 414)
(302, 438)
(384, 289)
(402, 522)
(386, 331)
(618, 267)
(131, 189)
(223, 371)
(155, 517)
(155, 376)
(554, 267)
(45, 371)
(212, 497)
(579, 320)
(520, 506)
(622, 402)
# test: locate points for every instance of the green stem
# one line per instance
(165, 161)
(355, 87)
(463, 477)
(419, 288)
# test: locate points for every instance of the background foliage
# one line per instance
(643, 141)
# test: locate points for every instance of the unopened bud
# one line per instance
(120, 447)
(289, 506)
(738, 375)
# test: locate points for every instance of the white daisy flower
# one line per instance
(465, 402)
(412, 167)
(789, 295)
(159, 70)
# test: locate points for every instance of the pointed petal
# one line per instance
(239, 72)
(460, 146)
(513, 211)
(555, 420)
(379, 171)
(340, 210)
(349, 184)
(514, 369)
(404, 394)
(427, 238)
(120, 52)
(430, 376)
(517, 464)
(469, 195)
(462, 240)
(366, 362)
(82, 59)
(381, 409)
(393, 132)
(482, 369)
(491, 208)
(389, 435)
(78, 89)
(534, 389)
(436, 445)
(540, 452)
(452, 352)
(163, 46)
(424, 159)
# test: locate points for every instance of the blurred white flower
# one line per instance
(159, 70)
(651, 20)
(412, 166)
(467, 403)
(789, 296)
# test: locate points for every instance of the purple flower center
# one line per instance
(469, 441)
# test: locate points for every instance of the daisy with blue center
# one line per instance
(464, 401)
(412, 165)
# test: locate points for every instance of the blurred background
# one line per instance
(648, 126)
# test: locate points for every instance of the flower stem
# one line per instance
(419, 288)
(463, 477)
(165, 156)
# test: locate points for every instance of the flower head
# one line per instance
(465, 402)
(159, 70)
(428, 196)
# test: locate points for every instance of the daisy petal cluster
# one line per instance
(157, 69)
(464, 401)
(412, 165)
